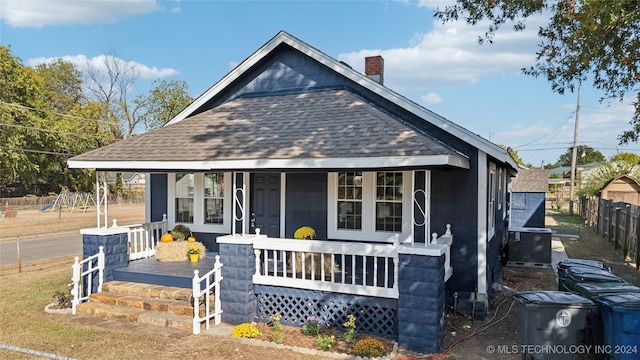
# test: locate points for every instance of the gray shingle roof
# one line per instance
(534, 180)
(317, 125)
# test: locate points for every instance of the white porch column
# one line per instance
(101, 198)
(482, 223)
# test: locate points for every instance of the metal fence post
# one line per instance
(18, 252)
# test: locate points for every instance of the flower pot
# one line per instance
(193, 257)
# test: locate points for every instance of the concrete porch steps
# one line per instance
(158, 305)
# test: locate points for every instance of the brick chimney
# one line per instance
(374, 68)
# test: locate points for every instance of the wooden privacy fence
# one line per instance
(618, 222)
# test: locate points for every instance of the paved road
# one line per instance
(40, 248)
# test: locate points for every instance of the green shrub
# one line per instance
(312, 327)
(63, 298)
(369, 348)
(181, 232)
(246, 330)
(325, 342)
(351, 332)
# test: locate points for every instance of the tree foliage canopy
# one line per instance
(585, 155)
(48, 113)
(596, 40)
(627, 157)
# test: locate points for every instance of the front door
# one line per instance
(265, 203)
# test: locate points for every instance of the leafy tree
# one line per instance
(594, 181)
(514, 154)
(48, 114)
(585, 155)
(583, 39)
(626, 157)
(19, 85)
(163, 102)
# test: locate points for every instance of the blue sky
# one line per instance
(438, 66)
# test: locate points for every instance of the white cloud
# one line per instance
(99, 62)
(39, 13)
(449, 55)
(431, 98)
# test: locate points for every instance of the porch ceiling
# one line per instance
(330, 129)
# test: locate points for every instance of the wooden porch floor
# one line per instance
(174, 273)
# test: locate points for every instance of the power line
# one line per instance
(36, 151)
(48, 130)
(57, 113)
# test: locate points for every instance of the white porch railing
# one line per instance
(368, 269)
(352, 268)
(143, 238)
(83, 280)
(210, 287)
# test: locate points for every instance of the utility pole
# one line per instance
(574, 154)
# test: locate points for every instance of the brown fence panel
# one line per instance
(619, 222)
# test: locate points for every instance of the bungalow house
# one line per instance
(292, 137)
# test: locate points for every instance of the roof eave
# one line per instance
(304, 163)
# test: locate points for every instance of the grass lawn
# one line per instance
(25, 324)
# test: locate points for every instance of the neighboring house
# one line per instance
(128, 178)
(622, 188)
(528, 197)
(292, 137)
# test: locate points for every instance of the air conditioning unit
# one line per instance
(529, 247)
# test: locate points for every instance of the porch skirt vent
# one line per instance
(377, 316)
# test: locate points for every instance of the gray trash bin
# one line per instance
(552, 323)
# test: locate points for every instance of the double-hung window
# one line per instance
(184, 197)
(350, 200)
(213, 198)
(369, 206)
(201, 200)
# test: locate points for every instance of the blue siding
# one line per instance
(159, 206)
(282, 71)
(527, 209)
(306, 203)
(454, 201)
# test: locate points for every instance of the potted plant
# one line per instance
(181, 232)
(193, 252)
(308, 233)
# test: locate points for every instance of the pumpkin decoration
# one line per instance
(191, 239)
(166, 238)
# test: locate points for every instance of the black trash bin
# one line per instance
(592, 290)
(581, 274)
(552, 324)
(568, 262)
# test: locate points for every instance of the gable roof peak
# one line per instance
(376, 87)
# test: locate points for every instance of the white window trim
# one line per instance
(491, 201)
(198, 224)
(368, 232)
